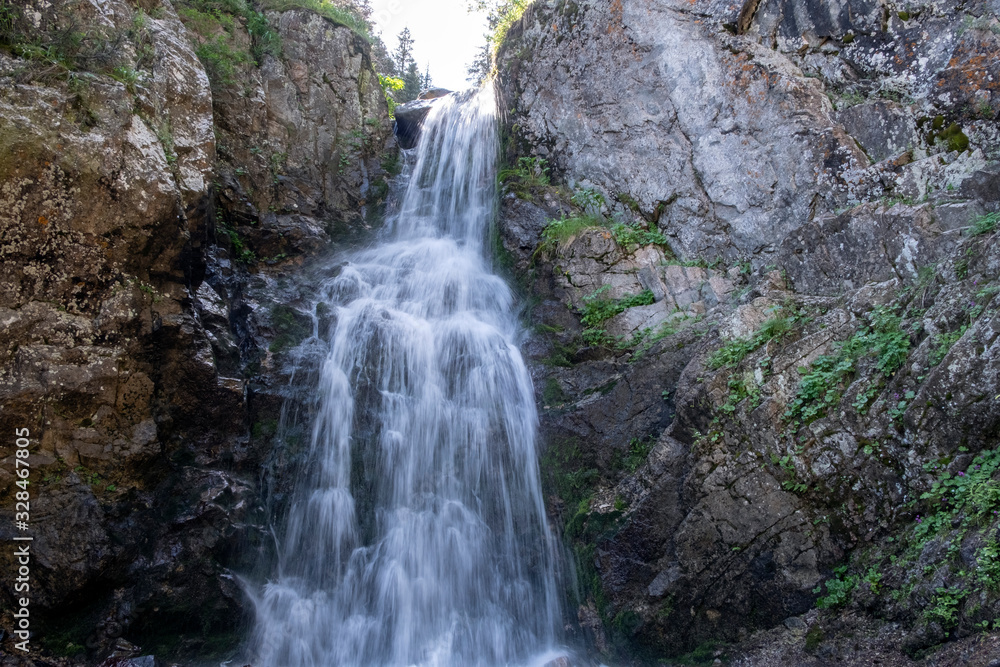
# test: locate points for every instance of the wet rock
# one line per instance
(433, 93)
(409, 116)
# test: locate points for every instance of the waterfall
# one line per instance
(417, 534)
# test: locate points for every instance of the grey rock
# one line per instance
(883, 129)
(409, 117)
(433, 93)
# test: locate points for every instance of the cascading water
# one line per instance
(418, 533)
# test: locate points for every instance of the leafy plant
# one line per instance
(221, 59)
(589, 200)
(972, 492)
(897, 411)
(597, 310)
(636, 454)
(838, 589)
(215, 23)
(733, 352)
(126, 75)
(626, 235)
(241, 252)
(943, 343)
(824, 381)
(501, 15)
(984, 224)
(565, 227)
(944, 606)
(527, 176)
(390, 84)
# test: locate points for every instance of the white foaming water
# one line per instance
(418, 535)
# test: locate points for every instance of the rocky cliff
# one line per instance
(162, 167)
(760, 243)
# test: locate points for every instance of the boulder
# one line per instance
(409, 117)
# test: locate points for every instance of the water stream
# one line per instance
(417, 534)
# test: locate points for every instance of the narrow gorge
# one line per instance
(677, 343)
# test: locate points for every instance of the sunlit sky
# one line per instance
(445, 35)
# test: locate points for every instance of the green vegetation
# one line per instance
(240, 251)
(838, 589)
(959, 512)
(589, 200)
(627, 234)
(71, 46)
(943, 343)
(392, 163)
(944, 606)
(390, 84)
(597, 310)
(501, 15)
(290, 326)
(222, 61)
(825, 380)
(215, 23)
(338, 14)
(984, 224)
(553, 393)
(564, 228)
(633, 457)
(704, 654)
(971, 494)
(524, 179)
(952, 136)
(787, 466)
(733, 352)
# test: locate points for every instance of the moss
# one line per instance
(955, 138)
(633, 457)
(392, 163)
(629, 201)
(264, 429)
(291, 327)
(814, 637)
(553, 393)
(379, 190)
(68, 636)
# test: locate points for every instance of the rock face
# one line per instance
(147, 208)
(728, 143)
(758, 406)
(409, 116)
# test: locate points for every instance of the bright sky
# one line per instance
(445, 35)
